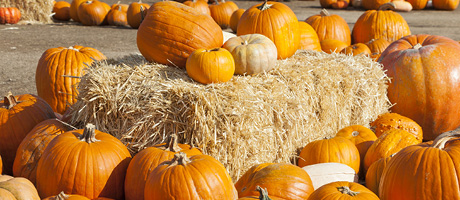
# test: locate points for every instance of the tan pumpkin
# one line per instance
(308, 37)
(235, 18)
(222, 11)
(136, 13)
(93, 13)
(388, 121)
(74, 9)
(200, 5)
(211, 66)
(357, 49)
(117, 17)
(343, 190)
(374, 173)
(61, 10)
(329, 26)
(331, 45)
(252, 53)
(17, 189)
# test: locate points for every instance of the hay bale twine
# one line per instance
(249, 120)
(32, 11)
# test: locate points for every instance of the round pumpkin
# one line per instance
(424, 86)
(374, 173)
(211, 66)
(308, 37)
(445, 4)
(329, 26)
(341, 4)
(222, 11)
(61, 10)
(136, 13)
(58, 72)
(377, 46)
(276, 21)
(9, 15)
(18, 116)
(357, 49)
(343, 190)
(202, 175)
(171, 31)
(144, 162)
(86, 161)
(74, 9)
(281, 180)
(93, 13)
(331, 45)
(1, 165)
(117, 17)
(17, 189)
(388, 121)
(200, 5)
(235, 18)
(252, 53)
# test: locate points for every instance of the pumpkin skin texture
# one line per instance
(85, 162)
(117, 17)
(211, 66)
(32, 146)
(136, 13)
(281, 180)
(93, 13)
(9, 15)
(235, 18)
(62, 11)
(17, 189)
(63, 196)
(374, 24)
(343, 190)
(222, 11)
(329, 26)
(263, 195)
(18, 116)
(388, 121)
(253, 53)
(144, 162)
(418, 4)
(424, 171)
(171, 31)
(424, 84)
(53, 70)
(330, 45)
(276, 21)
(374, 173)
(445, 4)
(198, 173)
(357, 49)
(336, 149)
(200, 5)
(74, 9)
(377, 46)
(308, 37)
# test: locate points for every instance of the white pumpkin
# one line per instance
(324, 173)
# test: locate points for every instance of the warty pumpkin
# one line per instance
(18, 116)
(388, 121)
(222, 11)
(235, 18)
(210, 66)
(343, 190)
(74, 9)
(445, 4)
(357, 49)
(329, 26)
(200, 5)
(9, 15)
(424, 86)
(374, 173)
(308, 37)
(61, 10)
(136, 13)
(19, 188)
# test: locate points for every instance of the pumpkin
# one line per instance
(86, 161)
(74, 9)
(424, 171)
(58, 72)
(200, 5)
(235, 18)
(281, 180)
(388, 143)
(343, 190)
(120, 6)
(324, 173)
(1, 165)
(331, 45)
(202, 175)
(117, 17)
(330, 3)
(211, 66)
(222, 11)
(33, 145)
(93, 13)
(374, 173)
(374, 24)
(18, 116)
(377, 46)
(9, 15)
(263, 195)
(388, 121)
(373, 4)
(329, 26)
(335, 149)
(144, 162)
(136, 13)
(252, 53)
(357, 49)
(17, 189)
(445, 4)
(424, 86)
(276, 21)
(340, 4)
(171, 31)
(61, 10)
(308, 37)
(399, 6)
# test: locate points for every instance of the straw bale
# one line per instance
(249, 120)
(32, 11)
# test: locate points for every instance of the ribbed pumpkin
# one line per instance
(9, 15)
(33, 145)
(331, 45)
(377, 46)
(388, 121)
(202, 175)
(373, 4)
(61, 10)
(17, 189)
(93, 13)
(211, 66)
(425, 171)
(56, 74)
(445, 4)
(329, 26)
(281, 180)
(374, 173)
(222, 11)
(200, 5)
(18, 116)
(343, 190)
(144, 162)
(374, 24)
(117, 17)
(136, 13)
(424, 86)
(253, 53)
(308, 37)
(276, 21)
(235, 18)
(171, 31)
(74, 9)
(357, 49)
(87, 162)
(335, 149)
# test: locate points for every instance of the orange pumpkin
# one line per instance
(374, 173)
(9, 15)
(276, 21)
(329, 26)
(308, 37)
(57, 73)
(61, 10)
(388, 121)
(200, 5)
(331, 45)
(74, 9)
(424, 86)
(19, 188)
(418, 4)
(330, 3)
(170, 37)
(211, 66)
(144, 162)
(377, 46)
(18, 116)
(445, 4)
(117, 17)
(235, 18)
(222, 11)
(93, 13)
(343, 190)
(357, 49)
(136, 13)
(121, 6)
(340, 4)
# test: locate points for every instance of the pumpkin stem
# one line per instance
(264, 6)
(142, 13)
(9, 101)
(324, 13)
(441, 140)
(346, 190)
(263, 193)
(355, 133)
(61, 196)
(179, 159)
(215, 49)
(89, 134)
(387, 6)
(417, 46)
(171, 144)
(72, 48)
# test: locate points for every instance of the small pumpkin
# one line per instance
(211, 66)
(331, 45)
(123, 7)
(343, 190)
(329, 26)
(9, 15)
(222, 11)
(117, 17)
(200, 5)
(374, 173)
(308, 37)
(61, 10)
(136, 13)
(357, 49)
(235, 18)
(445, 4)
(74, 9)
(93, 12)
(340, 4)
(19, 188)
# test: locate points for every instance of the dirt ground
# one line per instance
(22, 45)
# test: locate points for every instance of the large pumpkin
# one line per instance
(211, 65)
(445, 4)
(343, 190)
(74, 9)
(276, 21)
(136, 13)
(9, 15)
(425, 86)
(17, 189)
(93, 12)
(144, 162)
(58, 72)
(202, 175)
(308, 37)
(329, 26)
(171, 31)
(222, 11)
(18, 116)
(85, 162)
